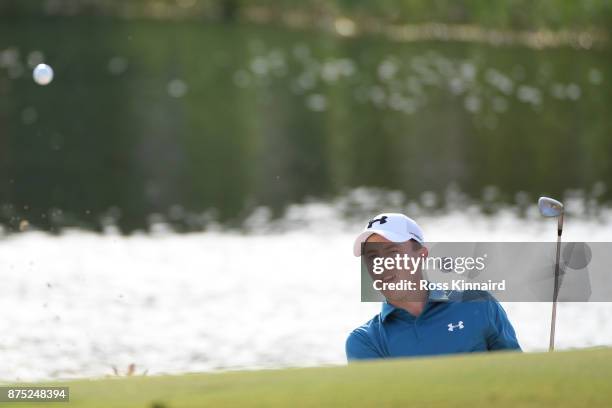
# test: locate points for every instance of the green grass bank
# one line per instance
(560, 379)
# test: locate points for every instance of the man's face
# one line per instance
(377, 246)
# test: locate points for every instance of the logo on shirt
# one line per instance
(452, 327)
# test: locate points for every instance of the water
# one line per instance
(78, 304)
(194, 123)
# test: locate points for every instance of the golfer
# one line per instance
(422, 322)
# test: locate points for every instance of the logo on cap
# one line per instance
(380, 220)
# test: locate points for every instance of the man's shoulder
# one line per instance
(362, 342)
(366, 329)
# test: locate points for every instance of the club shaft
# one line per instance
(553, 318)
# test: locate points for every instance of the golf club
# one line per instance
(550, 207)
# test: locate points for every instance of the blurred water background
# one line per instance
(159, 198)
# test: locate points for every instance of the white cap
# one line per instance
(393, 226)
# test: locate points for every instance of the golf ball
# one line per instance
(43, 74)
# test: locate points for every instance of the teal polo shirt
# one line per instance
(451, 322)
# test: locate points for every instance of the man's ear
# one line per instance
(424, 252)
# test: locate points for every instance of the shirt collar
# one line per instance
(433, 296)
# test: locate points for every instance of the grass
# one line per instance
(561, 379)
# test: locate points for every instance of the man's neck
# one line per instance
(415, 305)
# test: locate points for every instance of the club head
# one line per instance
(549, 207)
